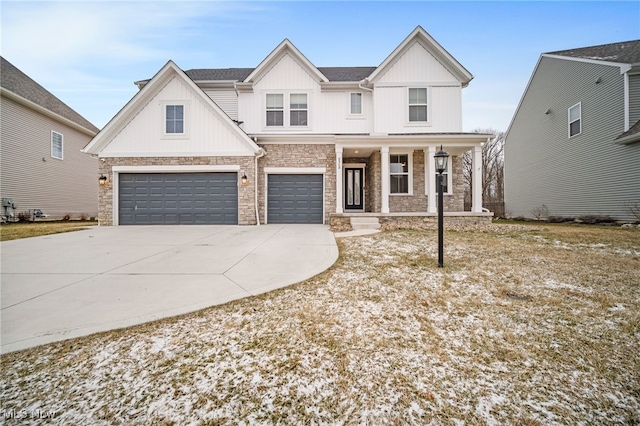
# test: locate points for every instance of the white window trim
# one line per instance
(356, 114)
(409, 123)
(185, 134)
(61, 145)
(579, 105)
(409, 155)
(427, 171)
(286, 119)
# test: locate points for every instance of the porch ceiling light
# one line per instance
(441, 158)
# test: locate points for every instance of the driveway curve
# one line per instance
(68, 285)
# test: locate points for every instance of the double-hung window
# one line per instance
(298, 109)
(174, 119)
(418, 104)
(275, 109)
(57, 141)
(575, 120)
(355, 106)
(399, 173)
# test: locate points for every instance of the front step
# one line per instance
(365, 223)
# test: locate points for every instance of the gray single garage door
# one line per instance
(178, 198)
(294, 199)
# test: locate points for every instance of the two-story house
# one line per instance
(41, 138)
(573, 146)
(289, 142)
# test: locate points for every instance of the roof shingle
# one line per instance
(626, 52)
(17, 82)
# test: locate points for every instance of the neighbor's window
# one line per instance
(275, 109)
(56, 145)
(298, 109)
(399, 171)
(418, 104)
(174, 119)
(575, 120)
(356, 103)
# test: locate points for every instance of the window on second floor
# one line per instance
(575, 120)
(174, 119)
(57, 141)
(298, 109)
(418, 104)
(355, 106)
(275, 109)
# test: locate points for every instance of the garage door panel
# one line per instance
(178, 198)
(295, 198)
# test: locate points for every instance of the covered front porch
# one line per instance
(396, 173)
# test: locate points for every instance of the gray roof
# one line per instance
(633, 131)
(239, 74)
(17, 82)
(626, 52)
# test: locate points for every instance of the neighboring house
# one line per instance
(42, 165)
(574, 143)
(289, 142)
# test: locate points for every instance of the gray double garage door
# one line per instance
(212, 198)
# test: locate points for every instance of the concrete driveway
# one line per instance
(68, 285)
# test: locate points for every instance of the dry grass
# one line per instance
(525, 325)
(14, 231)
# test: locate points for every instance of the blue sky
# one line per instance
(89, 53)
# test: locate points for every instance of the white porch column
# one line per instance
(338, 179)
(384, 154)
(429, 153)
(476, 164)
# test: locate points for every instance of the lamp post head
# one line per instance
(441, 158)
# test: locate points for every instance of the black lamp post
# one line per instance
(441, 158)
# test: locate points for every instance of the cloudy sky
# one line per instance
(89, 53)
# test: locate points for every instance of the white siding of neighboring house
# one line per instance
(35, 180)
(206, 134)
(588, 174)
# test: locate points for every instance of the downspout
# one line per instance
(261, 153)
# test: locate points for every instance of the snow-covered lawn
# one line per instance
(524, 325)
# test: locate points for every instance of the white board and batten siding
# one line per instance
(418, 68)
(544, 166)
(36, 180)
(227, 100)
(206, 132)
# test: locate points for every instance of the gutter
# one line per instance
(261, 153)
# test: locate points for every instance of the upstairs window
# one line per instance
(575, 120)
(57, 141)
(356, 104)
(298, 109)
(399, 173)
(174, 119)
(418, 104)
(275, 109)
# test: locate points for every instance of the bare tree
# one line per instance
(492, 169)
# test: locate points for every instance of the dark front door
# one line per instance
(353, 188)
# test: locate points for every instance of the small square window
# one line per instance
(356, 104)
(174, 119)
(575, 120)
(57, 142)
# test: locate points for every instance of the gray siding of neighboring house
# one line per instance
(587, 174)
(634, 99)
(31, 177)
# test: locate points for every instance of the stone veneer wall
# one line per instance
(300, 155)
(374, 199)
(246, 206)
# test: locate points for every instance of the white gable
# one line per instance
(287, 73)
(417, 64)
(138, 129)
